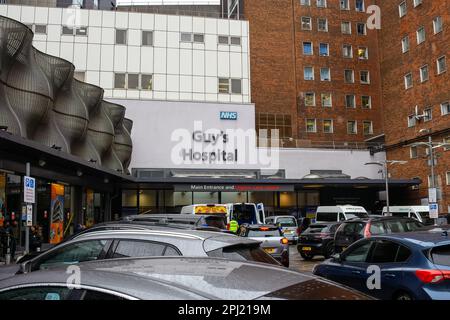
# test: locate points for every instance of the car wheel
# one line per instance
(403, 296)
(307, 257)
(329, 250)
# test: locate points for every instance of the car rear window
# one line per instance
(286, 222)
(326, 216)
(377, 228)
(214, 221)
(316, 229)
(243, 253)
(264, 234)
(353, 215)
(441, 255)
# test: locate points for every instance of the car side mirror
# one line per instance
(25, 267)
(337, 257)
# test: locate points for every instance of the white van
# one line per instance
(339, 213)
(420, 213)
(242, 212)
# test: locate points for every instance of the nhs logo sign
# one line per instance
(225, 115)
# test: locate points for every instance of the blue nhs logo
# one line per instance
(225, 115)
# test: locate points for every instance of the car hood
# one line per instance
(8, 271)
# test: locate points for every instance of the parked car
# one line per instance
(353, 230)
(175, 278)
(154, 241)
(339, 213)
(288, 225)
(273, 241)
(420, 213)
(317, 240)
(413, 266)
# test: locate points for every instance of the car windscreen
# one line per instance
(244, 213)
(286, 222)
(213, 221)
(264, 233)
(243, 253)
(326, 216)
(441, 255)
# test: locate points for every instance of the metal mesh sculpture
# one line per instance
(41, 101)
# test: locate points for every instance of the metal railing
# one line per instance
(209, 11)
(335, 145)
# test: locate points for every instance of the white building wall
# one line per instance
(182, 71)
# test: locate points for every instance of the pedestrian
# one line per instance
(35, 239)
(9, 232)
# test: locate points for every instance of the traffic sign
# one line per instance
(432, 195)
(29, 215)
(434, 210)
(29, 190)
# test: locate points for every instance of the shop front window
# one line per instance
(206, 197)
(234, 197)
(148, 201)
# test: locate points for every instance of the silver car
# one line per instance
(288, 225)
(151, 242)
(175, 278)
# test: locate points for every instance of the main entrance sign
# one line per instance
(233, 188)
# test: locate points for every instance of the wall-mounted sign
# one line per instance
(233, 188)
(227, 115)
(434, 210)
(29, 190)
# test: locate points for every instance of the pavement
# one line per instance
(297, 263)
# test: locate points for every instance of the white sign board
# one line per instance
(29, 215)
(29, 190)
(432, 195)
(434, 211)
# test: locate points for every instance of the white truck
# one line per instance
(420, 213)
(339, 213)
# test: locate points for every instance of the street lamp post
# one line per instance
(385, 165)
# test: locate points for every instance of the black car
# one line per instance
(354, 230)
(317, 240)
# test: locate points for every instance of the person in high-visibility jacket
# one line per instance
(234, 226)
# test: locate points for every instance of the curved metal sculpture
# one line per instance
(41, 101)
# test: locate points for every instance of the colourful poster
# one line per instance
(2, 198)
(89, 208)
(57, 214)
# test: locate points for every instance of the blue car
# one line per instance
(402, 266)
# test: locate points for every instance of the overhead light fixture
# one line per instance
(42, 163)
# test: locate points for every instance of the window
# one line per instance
(366, 102)
(235, 41)
(408, 81)
(367, 128)
(133, 81)
(413, 152)
(236, 86)
(447, 141)
(411, 121)
(424, 74)
(308, 73)
(306, 23)
(71, 254)
(441, 255)
(186, 37)
(322, 24)
(402, 9)
(307, 48)
(359, 253)
(345, 4)
(437, 25)
(40, 29)
(310, 99)
(305, 2)
(326, 100)
(441, 65)
(417, 2)
(328, 126)
(362, 29)
(311, 125)
(365, 77)
(405, 44)
(147, 82)
(448, 178)
(223, 40)
(38, 293)
(350, 101)
(347, 51)
(346, 27)
(82, 31)
(363, 53)
(199, 38)
(384, 252)
(132, 248)
(280, 122)
(349, 76)
(445, 108)
(351, 127)
(121, 37)
(147, 38)
(428, 114)
(67, 31)
(324, 49)
(225, 87)
(437, 181)
(325, 74)
(359, 6)
(120, 81)
(420, 35)
(321, 3)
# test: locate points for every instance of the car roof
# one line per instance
(378, 219)
(419, 239)
(257, 226)
(180, 278)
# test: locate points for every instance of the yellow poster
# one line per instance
(57, 213)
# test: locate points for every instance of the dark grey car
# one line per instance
(150, 242)
(172, 279)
